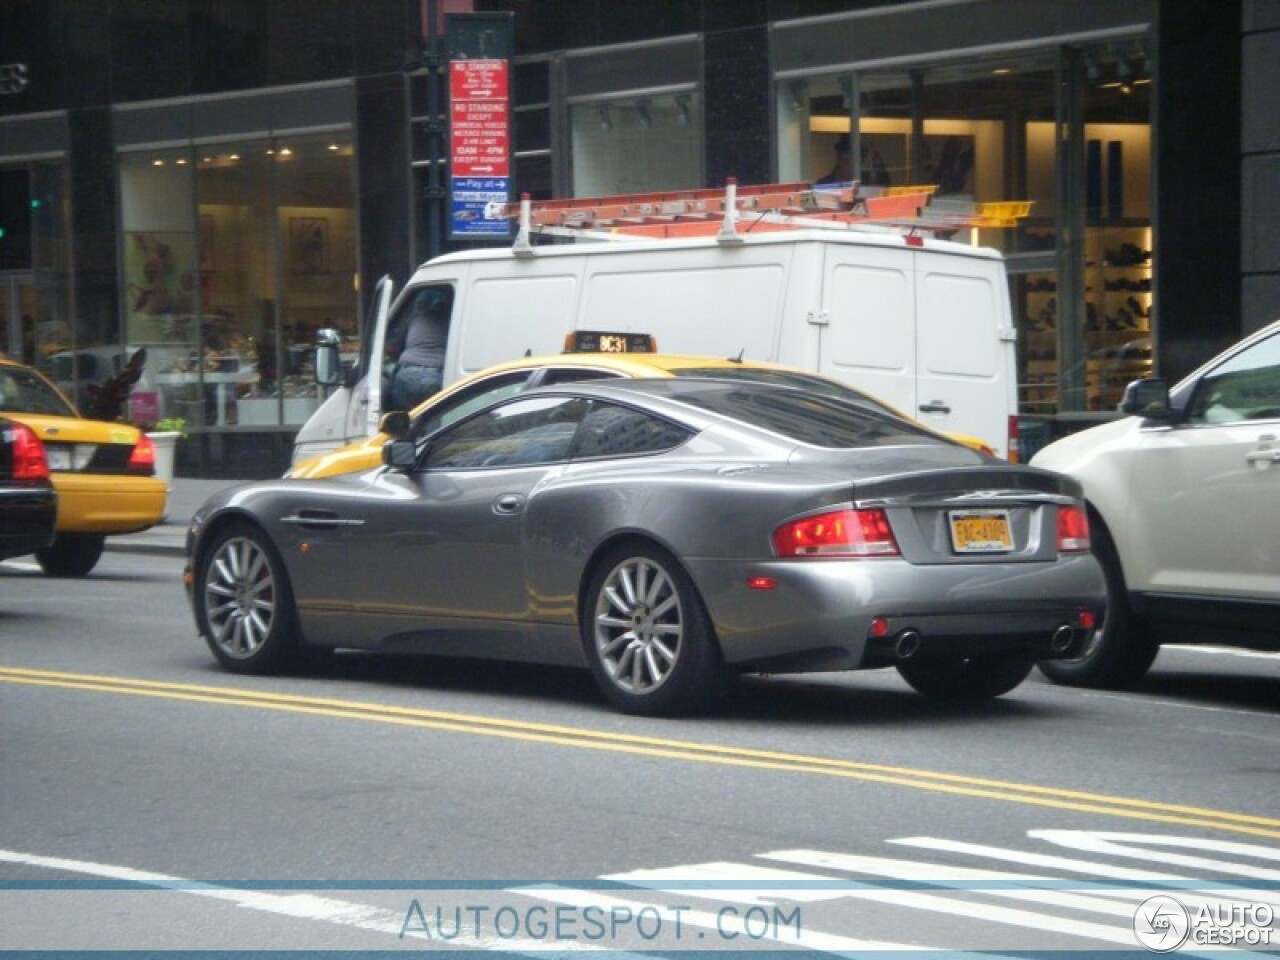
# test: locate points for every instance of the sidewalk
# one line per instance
(186, 494)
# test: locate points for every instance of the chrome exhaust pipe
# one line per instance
(1063, 638)
(907, 645)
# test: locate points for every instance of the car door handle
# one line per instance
(319, 520)
(508, 503)
(937, 406)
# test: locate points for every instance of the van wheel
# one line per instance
(964, 678)
(1123, 648)
(244, 606)
(647, 636)
(71, 554)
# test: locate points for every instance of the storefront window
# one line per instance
(1068, 130)
(235, 254)
(35, 323)
(637, 144)
(316, 223)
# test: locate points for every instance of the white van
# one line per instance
(923, 324)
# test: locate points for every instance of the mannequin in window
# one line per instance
(419, 369)
(874, 171)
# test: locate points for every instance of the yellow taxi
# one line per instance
(104, 472)
(505, 379)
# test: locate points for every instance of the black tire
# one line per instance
(647, 636)
(244, 605)
(1123, 647)
(965, 678)
(71, 554)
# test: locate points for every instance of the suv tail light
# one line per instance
(838, 533)
(1011, 441)
(1073, 529)
(29, 461)
(143, 458)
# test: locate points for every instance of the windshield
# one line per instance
(25, 391)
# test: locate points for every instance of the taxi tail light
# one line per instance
(1073, 529)
(837, 533)
(29, 461)
(1011, 439)
(143, 458)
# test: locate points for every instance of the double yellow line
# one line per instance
(583, 738)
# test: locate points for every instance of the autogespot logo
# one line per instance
(1161, 924)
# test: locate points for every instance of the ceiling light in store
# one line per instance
(286, 152)
(181, 161)
(333, 146)
(157, 163)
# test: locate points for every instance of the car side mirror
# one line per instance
(395, 424)
(327, 357)
(399, 455)
(1147, 398)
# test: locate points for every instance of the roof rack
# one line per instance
(735, 211)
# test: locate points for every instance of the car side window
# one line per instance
(1245, 387)
(538, 430)
(469, 399)
(610, 430)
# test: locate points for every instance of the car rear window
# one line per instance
(789, 378)
(810, 418)
(23, 391)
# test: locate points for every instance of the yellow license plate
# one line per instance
(980, 531)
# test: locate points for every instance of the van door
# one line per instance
(866, 321)
(350, 410)
(965, 376)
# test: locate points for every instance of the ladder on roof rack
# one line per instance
(731, 213)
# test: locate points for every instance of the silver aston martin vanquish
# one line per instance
(666, 534)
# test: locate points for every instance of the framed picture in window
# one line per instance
(308, 245)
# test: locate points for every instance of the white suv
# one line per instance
(1184, 502)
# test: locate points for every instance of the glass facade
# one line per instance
(1068, 129)
(637, 144)
(234, 253)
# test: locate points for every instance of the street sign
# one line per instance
(479, 144)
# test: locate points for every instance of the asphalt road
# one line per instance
(149, 801)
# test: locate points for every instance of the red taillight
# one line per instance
(1011, 441)
(840, 533)
(143, 458)
(29, 461)
(1073, 530)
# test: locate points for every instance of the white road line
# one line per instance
(297, 906)
(710, 873)
(989, 883)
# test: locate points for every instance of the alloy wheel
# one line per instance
(639, 625)
(240, 598)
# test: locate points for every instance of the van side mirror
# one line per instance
(395, 424)
(1147, 398)
(327, 357)
(399, 455)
